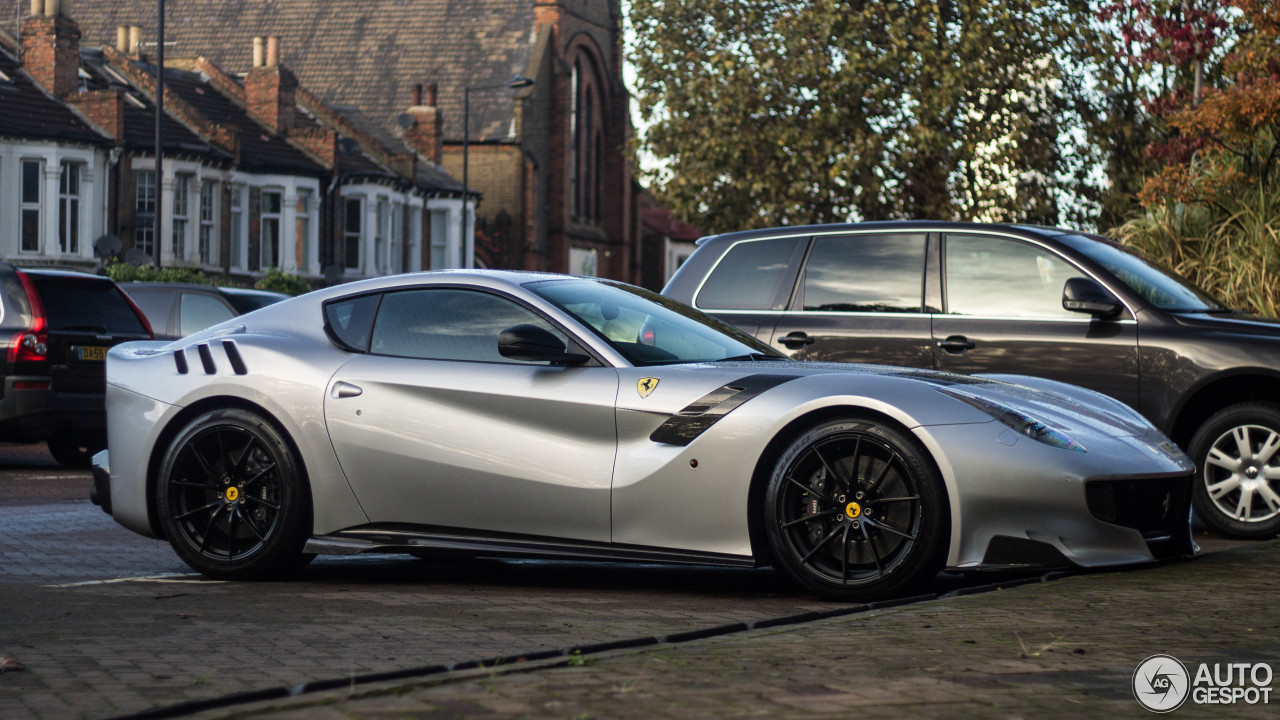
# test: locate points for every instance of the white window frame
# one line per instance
(302, 230)
(70, 206)
(180, 217)
(144, 234)
(279, 219)
(357, 235)
(208, 243)
(239, 240)
(26, 206)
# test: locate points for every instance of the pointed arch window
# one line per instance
(587, 138)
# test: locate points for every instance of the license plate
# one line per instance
(91, 352)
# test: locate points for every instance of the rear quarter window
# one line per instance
(73, 303)
(751, 276)
(349, 321)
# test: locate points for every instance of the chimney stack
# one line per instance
(426, 135)
(270, 88)
(51, 48)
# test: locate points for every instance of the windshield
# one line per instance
(1157, 285)
(647, 328)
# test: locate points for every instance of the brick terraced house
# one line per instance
(549, 160)
(259, 172)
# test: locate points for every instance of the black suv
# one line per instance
(176, 310)
(55, 329)
(973, 298)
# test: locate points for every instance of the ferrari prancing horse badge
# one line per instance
(646, 386)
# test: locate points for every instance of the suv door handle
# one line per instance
(956, 344)
(345, 390)
(795, 340)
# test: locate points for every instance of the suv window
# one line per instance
(448, 324)
(750, 276)
(200, 311)
(865, 273)
(74, 303)
(998, 277)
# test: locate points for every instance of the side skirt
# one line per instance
(415, 539)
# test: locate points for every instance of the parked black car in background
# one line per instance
(55, 329)
(1054, 303)
(179, 309)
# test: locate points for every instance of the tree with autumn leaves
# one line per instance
(1211, 201)
(1155, 120)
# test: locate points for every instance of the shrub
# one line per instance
(281, 281)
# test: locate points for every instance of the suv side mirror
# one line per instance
(530, 343)
(1087, 296)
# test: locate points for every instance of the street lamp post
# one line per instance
(156, 239)
(519, 81)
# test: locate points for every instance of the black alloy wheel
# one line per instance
(1237, 456)
(855, 510)
(232, 498)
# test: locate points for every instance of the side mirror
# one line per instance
(530, 343)
(1087, 296)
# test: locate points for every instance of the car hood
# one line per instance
(1241, 324)
(1069, 408)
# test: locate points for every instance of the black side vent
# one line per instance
(180, 359)
(233, 354)
(206, 359)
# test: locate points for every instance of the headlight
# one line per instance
(1018, 421)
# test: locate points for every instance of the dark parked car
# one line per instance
(55, 330)
(179, 309)
(1039, 301)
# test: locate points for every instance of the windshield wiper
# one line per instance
(754, 357)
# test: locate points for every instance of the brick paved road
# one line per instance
(108, 623)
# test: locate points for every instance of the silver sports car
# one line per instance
(520, 414)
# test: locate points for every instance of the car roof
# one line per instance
(896, 225)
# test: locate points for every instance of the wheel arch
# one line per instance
(195, 409)
(1248, 385)
(794, 429)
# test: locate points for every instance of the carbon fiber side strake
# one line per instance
(686, 425)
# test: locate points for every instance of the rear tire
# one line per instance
(1237, 454)
(232, 497)
(856, 510)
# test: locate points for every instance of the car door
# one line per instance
(860, 299)
(1004, 314)
(434, 428)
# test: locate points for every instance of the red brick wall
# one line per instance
(51, 53)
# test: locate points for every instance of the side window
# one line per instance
(750, 276)
(448, 324)
(349, 320)
(865, 273)
(999, 277)
(199, 311)
(156, 305)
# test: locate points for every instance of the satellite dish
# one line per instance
(406, 120)
(107, 246)
(332, 274)
(137, 257)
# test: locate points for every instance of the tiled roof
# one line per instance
(139, 114)
(368, 53)
(261, 149)
(31, 113)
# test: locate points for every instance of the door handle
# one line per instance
(795, 340)
(345, 390)
(956, 344)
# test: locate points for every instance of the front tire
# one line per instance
(1237, 487)
(855, 510)
(232, 497)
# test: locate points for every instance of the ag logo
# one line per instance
(646, 386)
(1161, 683)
